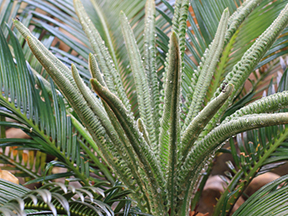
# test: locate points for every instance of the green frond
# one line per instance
(142, 87)
(27, 164)
(170, 122)
(32, 108)
(150, 62)
(249, 168)
(269, 198)
(9, 9)
(205, 71)
(57, 27)
(79, 48)
(277, 50)
(147, 159)
(112, 76)
(260, 151)
(199, 122)
(55, 198)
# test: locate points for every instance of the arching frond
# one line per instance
(54, 198)
(249, 167)
(270, 198)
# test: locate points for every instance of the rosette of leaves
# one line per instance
(160, 155)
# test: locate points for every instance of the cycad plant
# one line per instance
(161, 155)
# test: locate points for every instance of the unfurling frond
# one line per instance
(205, 70)
(147, 159)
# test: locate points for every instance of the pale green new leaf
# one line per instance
(170, 122)
(235, 126)
(105, 16)
(141, 81)
(112, 75)
(205, 71)
(150, 63)
(179, 22)
(146, 157)
(179, 27)
(195, 127)
(270, 103)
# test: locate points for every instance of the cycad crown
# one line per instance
(161, 154)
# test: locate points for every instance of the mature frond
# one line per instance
(260, 151)
(54, 198)
(249, 167)
(270, 198)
